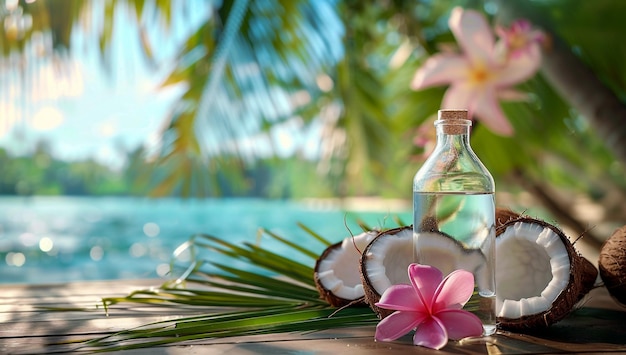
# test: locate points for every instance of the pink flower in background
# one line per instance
(481, 74)
(432, 305)
(521, 39)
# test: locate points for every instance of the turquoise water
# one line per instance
(61, 239)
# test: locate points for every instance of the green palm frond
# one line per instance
(242, 69)
(267, 293)
(271, 320)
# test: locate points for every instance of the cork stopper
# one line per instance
(453, 121)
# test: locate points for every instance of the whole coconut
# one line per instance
(612, 265)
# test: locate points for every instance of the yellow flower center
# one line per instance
(479, 75)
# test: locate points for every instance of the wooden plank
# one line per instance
(27, 309)
(27, 326)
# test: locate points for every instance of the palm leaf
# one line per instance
(235, 88)
(269, 294)
(314, 235)
(230, 324)
(293, 245)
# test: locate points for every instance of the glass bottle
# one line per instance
(453, 193)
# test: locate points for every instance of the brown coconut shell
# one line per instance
(371, 295)
(612, 265)
(589, 276)
(504, 215)
(581, 274)
(326, 294)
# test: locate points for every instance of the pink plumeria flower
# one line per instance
(432, 305)
(478, 76)
(521, 39)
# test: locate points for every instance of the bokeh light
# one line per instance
(96, 253)
(15, 259)
(151, 229)
(138, 250)
(163, 269)
(28, 239)
(46, 244)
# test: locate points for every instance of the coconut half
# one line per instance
(384, 263)
(539, 274)
(386, 259)
(337, 276)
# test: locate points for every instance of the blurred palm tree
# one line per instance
(342, 68)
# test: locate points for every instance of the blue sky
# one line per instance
(95, 117)
(82, 110)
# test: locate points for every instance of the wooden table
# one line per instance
(27, 327)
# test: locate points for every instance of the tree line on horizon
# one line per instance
(40, 173)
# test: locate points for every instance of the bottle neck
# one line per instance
(453, 132)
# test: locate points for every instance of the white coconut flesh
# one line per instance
(386, 260)
(339, 270)
(533, 268)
